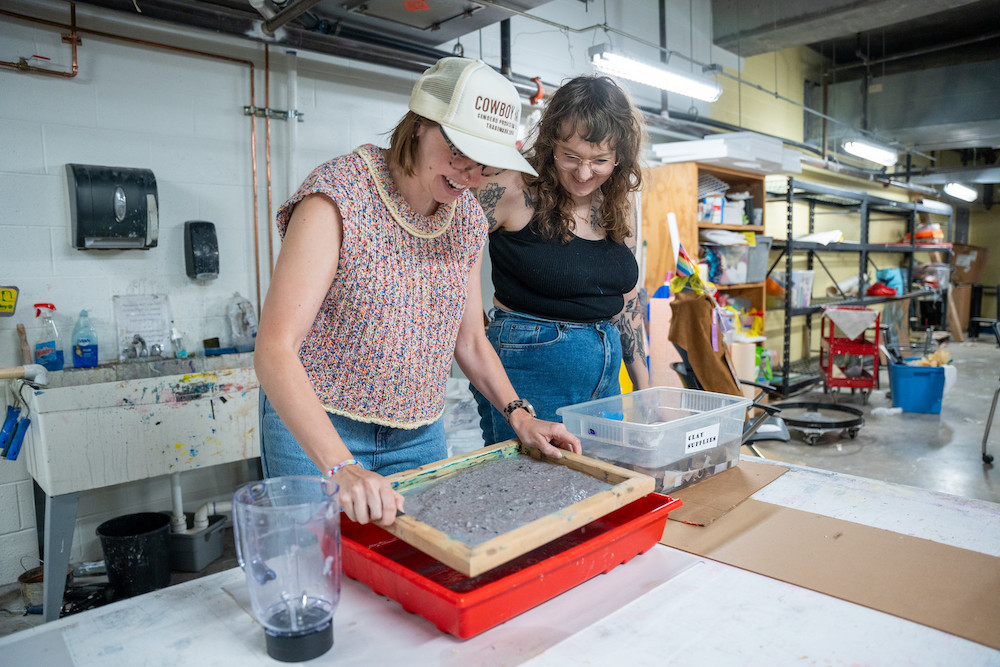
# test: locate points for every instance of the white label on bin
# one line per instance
(703, 438)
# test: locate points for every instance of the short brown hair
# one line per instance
(403, 144)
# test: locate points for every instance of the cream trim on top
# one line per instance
(400, 220)
(383, 422)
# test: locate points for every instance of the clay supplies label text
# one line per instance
(703, 438)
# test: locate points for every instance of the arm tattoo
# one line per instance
(629, 324)
(489, 196)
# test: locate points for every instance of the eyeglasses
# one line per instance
(571, 162)
(463, 162)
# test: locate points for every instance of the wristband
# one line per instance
(343, 464)
(518, 404)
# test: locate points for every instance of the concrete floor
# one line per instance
(938, 452)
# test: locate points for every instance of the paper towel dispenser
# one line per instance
(112, 207)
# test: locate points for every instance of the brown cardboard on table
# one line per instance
(710, 499)
(944, 587)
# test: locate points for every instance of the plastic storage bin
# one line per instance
(917, 388)
(738, 264)
(193, 552)
(757, 261)
(676, 436)
(802, 283)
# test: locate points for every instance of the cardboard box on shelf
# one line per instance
(968, 261)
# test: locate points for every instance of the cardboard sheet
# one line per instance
(940, 586)
(710, 499)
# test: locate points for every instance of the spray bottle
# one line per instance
(48, 351)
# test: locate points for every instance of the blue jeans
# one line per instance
(384, 449)
(551, 364)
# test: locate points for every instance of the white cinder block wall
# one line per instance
(181, 116)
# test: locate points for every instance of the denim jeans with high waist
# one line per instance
(384, 449)
(551, 364)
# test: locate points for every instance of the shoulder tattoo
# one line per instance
(489, 196)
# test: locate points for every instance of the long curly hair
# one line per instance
(596, 108)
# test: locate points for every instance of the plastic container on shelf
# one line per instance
(84, 342)
(48, 350)
(801, 288)
(677, 436)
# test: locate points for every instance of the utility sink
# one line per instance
(126, 421)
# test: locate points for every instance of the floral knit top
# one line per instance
(381, 347)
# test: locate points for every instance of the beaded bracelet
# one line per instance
(343, 464)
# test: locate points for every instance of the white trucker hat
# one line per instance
(478, 108)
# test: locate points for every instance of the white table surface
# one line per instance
(665, 607)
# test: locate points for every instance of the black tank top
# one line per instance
(578, 281)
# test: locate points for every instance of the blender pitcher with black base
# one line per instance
(287, 532)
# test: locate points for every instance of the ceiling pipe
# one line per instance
(855, 172)
(916, 52)
(352, 43)
(505, 48)
(71, 38)
(204, 54)
(289, 13)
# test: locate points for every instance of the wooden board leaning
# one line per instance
(626, 486)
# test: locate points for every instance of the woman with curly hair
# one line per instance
(562, 246)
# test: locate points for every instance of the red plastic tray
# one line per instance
(464, 606)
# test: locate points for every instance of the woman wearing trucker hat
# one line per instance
(562, 251)
(377, 288)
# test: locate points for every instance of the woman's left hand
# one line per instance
(549, 437)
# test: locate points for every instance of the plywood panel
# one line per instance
(668, 188)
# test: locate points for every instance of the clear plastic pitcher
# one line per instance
(287, 532)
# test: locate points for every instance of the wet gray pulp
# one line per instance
(482, 502)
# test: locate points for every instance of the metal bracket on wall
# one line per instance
(277, 114)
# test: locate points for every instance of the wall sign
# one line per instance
(8, 300)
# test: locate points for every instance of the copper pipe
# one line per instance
(256, 221)
(267, 142)
(74, 30)
(73, 38)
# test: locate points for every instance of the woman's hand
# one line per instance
(367, 496)
(549, 437)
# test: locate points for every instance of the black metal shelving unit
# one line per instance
(797, 375)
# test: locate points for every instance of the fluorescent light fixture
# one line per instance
(959, 191)
(658, 76)
(869, 151)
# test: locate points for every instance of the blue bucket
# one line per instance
(917, 388)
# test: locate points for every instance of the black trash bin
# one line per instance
(136, 552)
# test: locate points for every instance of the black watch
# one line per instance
(517, 405)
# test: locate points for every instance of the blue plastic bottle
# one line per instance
(84, 342)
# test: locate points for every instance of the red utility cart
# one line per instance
(845, 361)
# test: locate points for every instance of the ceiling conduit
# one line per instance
(357, 44)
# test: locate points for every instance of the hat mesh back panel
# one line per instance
(440, 89)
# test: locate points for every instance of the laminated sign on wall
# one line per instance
(143, 325)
